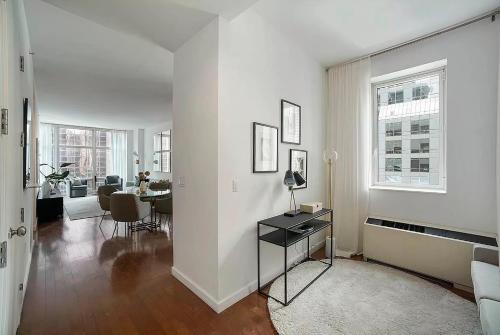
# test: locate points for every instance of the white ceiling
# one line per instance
(110, 63)
(337, 30)
(168, 23)
(87, 74)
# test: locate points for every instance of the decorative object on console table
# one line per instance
(290, 122)
(265, 148)
(311, 207)
(291, 179)
(298, 163)
(287, 232)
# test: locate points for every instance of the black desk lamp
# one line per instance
(291, 179)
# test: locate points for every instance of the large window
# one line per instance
(162, 151)
(409, 131)
(95, 153)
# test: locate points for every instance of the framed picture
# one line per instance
(298, 162)
(290, 122)
(265, 148)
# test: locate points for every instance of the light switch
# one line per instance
(181, 182)
(235, 185)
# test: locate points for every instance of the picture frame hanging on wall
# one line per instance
(290, 122)
(265, 148)
(298, 162)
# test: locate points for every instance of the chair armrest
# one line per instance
(84, 182)
(485, 254)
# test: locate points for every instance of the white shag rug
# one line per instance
(361, 298)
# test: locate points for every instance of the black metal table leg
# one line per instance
(286, 248)
(258, 258)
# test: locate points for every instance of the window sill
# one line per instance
(407, 189)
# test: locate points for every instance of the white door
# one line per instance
(12, 273)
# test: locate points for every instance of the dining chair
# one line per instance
(104, 199)
(128, 208)
(164, 206)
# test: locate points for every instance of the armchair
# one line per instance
(76, 187)
(115, 181)
(486, 279)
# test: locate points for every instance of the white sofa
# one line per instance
(486, 279)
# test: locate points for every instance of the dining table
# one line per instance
(147, 196)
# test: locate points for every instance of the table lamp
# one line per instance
(291, 179)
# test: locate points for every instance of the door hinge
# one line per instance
(21, 287)
(22, 141)
(21, 63)
(5, 121)
(22, 215)
(3, 254)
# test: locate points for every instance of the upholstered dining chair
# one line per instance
(128, 208)
(104, 198)
(164, 206)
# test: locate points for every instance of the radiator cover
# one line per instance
(435, 252)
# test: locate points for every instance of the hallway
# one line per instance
(82, 282)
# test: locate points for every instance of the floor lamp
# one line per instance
(329, 157)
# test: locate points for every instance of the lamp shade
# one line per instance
(330, 155)
(299, 180)
(289, 178)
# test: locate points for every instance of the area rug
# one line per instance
(360, 298)
(82, 208)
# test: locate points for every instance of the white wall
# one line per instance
(195, 115)
(12, 196)
(472, 81)
(228, 76)
(258, 67)
(148, 149)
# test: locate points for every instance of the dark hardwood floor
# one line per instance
(83, 282)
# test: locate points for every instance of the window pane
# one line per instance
(157, 142)
(75, 137)
(409, 127)
(165, 140)
(103, 138)
(165, 161)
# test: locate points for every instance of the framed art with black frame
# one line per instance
(290, 122)
(298, 162)
(265, 148)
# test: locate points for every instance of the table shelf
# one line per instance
(277, 237)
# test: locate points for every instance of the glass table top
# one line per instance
(148, 194)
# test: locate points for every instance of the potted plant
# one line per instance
(53, 179)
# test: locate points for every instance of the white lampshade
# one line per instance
(330, 154)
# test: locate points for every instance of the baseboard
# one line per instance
(463, 288)
(196, 289)
(231, 299)
(252, 286)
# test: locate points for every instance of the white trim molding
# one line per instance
(220, 305)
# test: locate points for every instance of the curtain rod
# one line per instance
(491, 14)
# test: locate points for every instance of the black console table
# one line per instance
(288, 231)
(48, 209)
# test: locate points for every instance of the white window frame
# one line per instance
(439, 68)
(167, 169)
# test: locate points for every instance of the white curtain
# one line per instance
(348, 133)
(498, 149)
(119, 154)
(46, 148)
